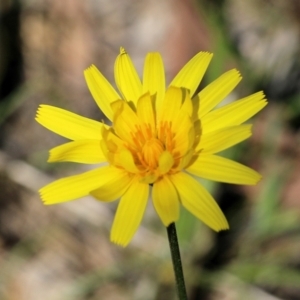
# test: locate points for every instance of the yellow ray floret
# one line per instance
(80, 151)
(154, 77)
(67, 124)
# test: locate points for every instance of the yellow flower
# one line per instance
(159, 140)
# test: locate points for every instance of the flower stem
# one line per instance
(175, 253)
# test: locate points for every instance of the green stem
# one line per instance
(174, 247)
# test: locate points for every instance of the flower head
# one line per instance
(159, 140)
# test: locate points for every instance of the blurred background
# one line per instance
(63, 252)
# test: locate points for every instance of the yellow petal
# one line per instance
(101, 90)
(145, 113)
(117, 107)
(165, 162)
(154, 78)
(184, 137)
(198, 201)
(114, 189)
(127, 161)
(129, 213)
(192, 73)
(184, 112)
(127, 78)
(183, 126)
(67, 124)
(113, 142)
(216, 91)
(77, 186)
(187, 106)
(80, 151)
(165, 200)
(171, 104)
(216, 141)
(185, 160)
(223, 170)
(234, 113)
(149, 178)
(126, 123)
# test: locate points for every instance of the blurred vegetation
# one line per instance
(63, 252)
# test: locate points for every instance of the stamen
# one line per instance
(136, 141)
(148, 131)
(141, 160)
(139, 134)
(152, 150)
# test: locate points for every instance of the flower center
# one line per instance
(150, 143)
(151, 152)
